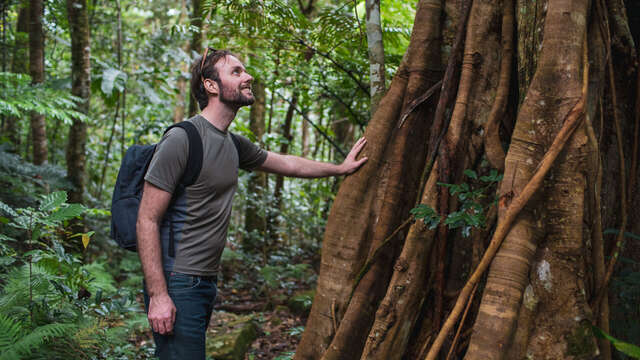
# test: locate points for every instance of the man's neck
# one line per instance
(219, 115)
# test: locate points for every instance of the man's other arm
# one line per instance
(295, 166)
(154, 203)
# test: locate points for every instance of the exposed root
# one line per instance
(492, 145)
(464, 317)
(634, 154)
(597, 242)
(572, 121)
(376, 254)
(415, 103)
(602, 288)
(334, 321)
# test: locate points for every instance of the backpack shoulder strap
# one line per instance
(194, 160)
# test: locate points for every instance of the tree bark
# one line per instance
(371, 203)
(196, 45)
(80, 87)
(181, 105)
(19, 65)
(255, 224)
(375, 46)
(36, 69)
(530, 242)
(285, 132)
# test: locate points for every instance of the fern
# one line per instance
(15, 295)
(18, 341)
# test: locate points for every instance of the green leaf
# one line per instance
(427, 214)
(8, 209)
(110, 80)
(149, 93)
(53, 200)
(6, 238)
(471, 174)
(623, 347)
(66, 213)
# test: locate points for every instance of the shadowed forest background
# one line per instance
(495, 219)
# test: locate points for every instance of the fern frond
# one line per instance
(36, 338)
(15, 293)
(10, 331)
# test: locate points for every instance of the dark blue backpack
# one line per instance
(128, 190)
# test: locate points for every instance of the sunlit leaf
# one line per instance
(623, 347)
(53, 200)
(66, 213)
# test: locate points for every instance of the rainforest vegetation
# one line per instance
(496, 216)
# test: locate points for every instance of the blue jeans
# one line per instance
(193, 297)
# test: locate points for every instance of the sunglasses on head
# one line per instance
(204, 58)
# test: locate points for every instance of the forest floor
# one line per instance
(245, 297)
(279, 329)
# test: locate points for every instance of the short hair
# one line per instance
(205, 70)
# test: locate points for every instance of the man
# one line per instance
(180, 289)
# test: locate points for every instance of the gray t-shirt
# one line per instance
(199, 216)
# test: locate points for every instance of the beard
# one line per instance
(235, 97)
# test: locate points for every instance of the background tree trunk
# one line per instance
(80, 87)
(19, 65)
(285, 132)
(255, 224)
(36, 70)
(181, 106)
(196, 45)
(376, 53)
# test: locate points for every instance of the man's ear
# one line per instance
(211, 87)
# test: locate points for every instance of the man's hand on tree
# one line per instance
(350, 164)
(162, 314)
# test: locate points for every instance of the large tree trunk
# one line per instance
(538, 299)
(80, 87)
(36, 69)
(371, 203)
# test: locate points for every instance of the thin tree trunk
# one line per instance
(196, 45)
(19, 65)
(256, 224)
(118, 100)
(80, 87)
(304, 138)
(36, 69)
(285, 132)
(375, 46)
(179, 110)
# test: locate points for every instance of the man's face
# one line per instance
(234, 83)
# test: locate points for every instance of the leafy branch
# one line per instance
(20, 97)
(471, 213)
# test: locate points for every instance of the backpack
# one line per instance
(127, 192)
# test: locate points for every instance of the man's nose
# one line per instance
(250, 78)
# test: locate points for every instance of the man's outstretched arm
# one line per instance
(295, 166)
